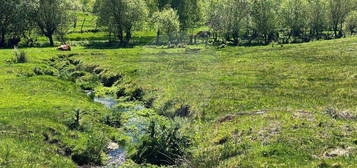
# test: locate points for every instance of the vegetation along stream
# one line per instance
(128, 110)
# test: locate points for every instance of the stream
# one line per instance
(135, 123)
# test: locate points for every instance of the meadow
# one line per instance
(279, 106)
(178, 83)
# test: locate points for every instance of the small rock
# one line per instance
(112, 146)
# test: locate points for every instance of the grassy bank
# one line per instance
(34, 114)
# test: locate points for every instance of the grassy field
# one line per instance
(33, 115)
(290, 106)
(311, 76)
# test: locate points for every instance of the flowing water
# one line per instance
(136, 125)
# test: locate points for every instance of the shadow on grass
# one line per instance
(105, 44)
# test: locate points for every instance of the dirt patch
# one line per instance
(301, 114)
(335, 152)
(266, 134)
(346, 115)
(227, 118)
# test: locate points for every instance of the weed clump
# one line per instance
(108, 79)
(44, 71)
(19, 56)
(93, 154)
(74, 122)
(112, 119)
(162, 145)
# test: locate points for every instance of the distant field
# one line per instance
(311, 76)
(307, 92)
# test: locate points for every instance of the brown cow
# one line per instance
(64, 47)
(202, 34)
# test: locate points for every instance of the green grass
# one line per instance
(294, 84)
(307, 76)
(32, 107)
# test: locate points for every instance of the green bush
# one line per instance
(162, 145)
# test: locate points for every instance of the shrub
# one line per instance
(136, 94)
(112, 119)
(108, 79)
(94, 150)
(162, 145)
(20, 56)
(74, 121)
(44, 71)
(183, 111)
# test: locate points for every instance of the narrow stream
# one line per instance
(134, 128)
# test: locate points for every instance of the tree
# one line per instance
(189, 13)
(166, 21)
(227, 17)
(338, 10)
(15, 19)
(316, 17)
(237, 10)
(7, 9)
(121, 16)
(87, 5)
(351, 22)
(216, 19)
(293, 14)
(51, 14)
(263, 17)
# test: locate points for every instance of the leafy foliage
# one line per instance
(166, 21)
(120, 16)
(351, 22)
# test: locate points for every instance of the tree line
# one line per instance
(228, 21)
(281, 20)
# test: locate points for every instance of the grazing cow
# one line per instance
(202, 34)
(64, 47)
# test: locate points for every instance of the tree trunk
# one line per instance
(50, 38)
(236, 38)
(75, 23)
(2, 40)
(158, 37)
(335, 30)
(170, 37)
(84, 20)
(227, 37)
(120, 36)
(127, 37)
